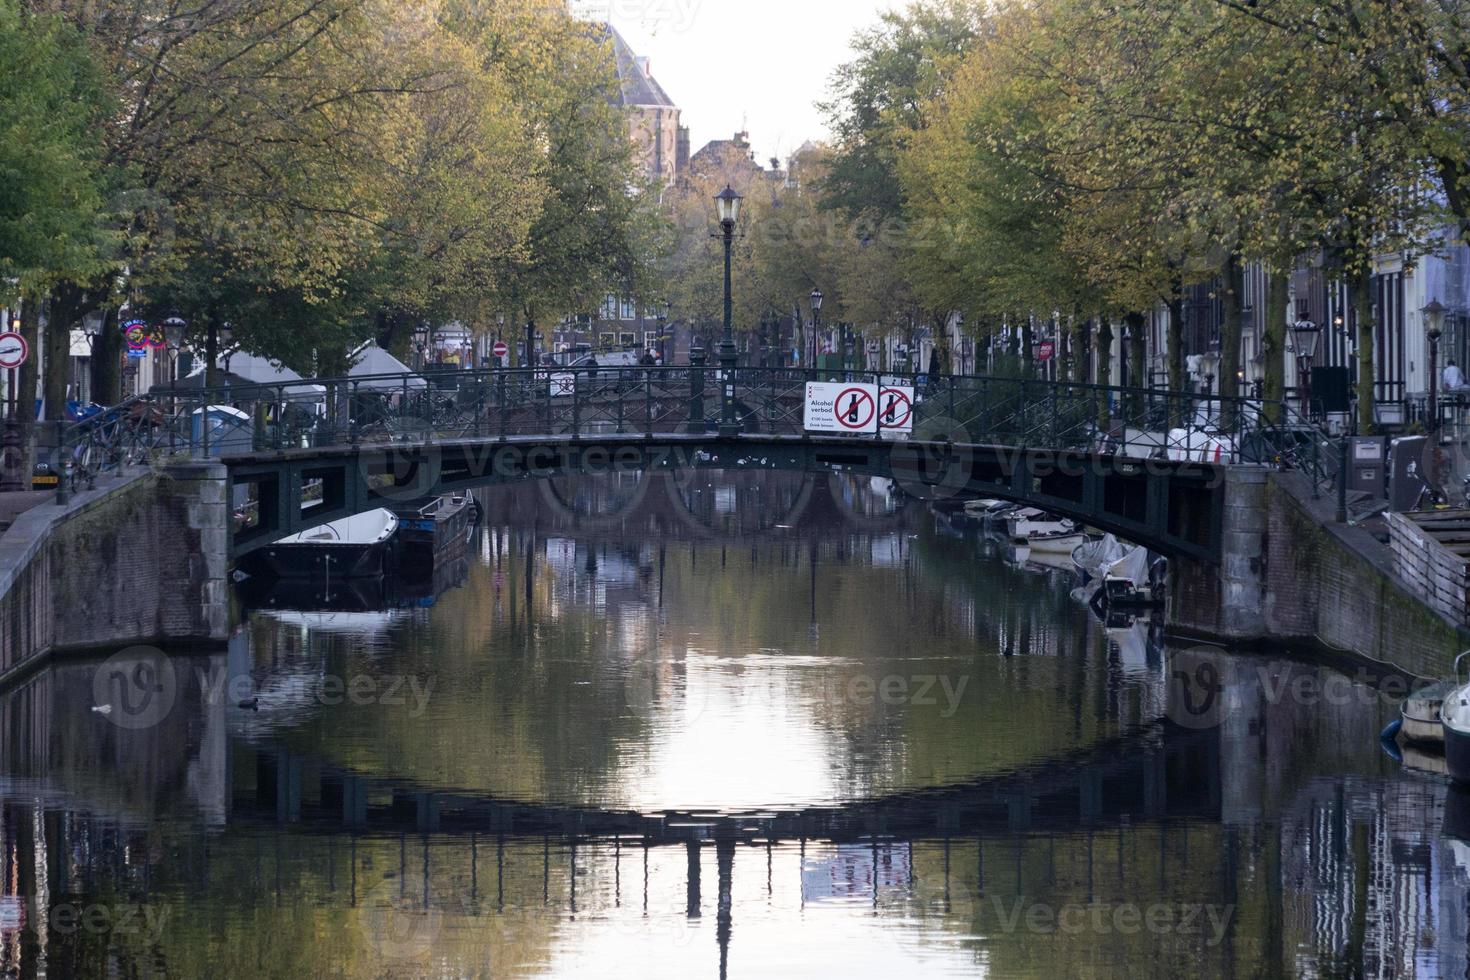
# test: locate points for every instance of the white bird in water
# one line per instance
(102, 709)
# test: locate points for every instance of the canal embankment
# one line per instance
(141, 559)
(1292, 573)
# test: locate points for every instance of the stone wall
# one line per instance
(142, 560)
(1290, 573)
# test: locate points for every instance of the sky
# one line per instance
(757, 63)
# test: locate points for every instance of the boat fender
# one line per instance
(1388, 738)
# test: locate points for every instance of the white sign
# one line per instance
(896, 408)
(839, 406)
(13, 350)
(563, 385)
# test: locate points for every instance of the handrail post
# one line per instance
(1342, 479)
(648, 403)
(696, 390)
(500, 399)
(577, 403)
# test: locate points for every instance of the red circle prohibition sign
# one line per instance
(896, 408)
(854, 408)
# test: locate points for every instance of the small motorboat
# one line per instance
(353, 547)
(1126, 582)
(434, 531)
(1042, 532)
(985, 506)
(1420, 713)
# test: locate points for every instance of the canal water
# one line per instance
(745, 725)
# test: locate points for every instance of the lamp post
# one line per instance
(420, 345)
(1434, 329)
(816, 301)
(1307, 334)
(1258, 386)
(728, 205)
(1209, 365)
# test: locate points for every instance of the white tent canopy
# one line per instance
(371, 361)
(263, 371)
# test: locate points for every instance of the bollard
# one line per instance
(11, 458)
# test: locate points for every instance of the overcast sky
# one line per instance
(761, 61)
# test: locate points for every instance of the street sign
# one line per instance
(1046, 350)
(563, 385)
(500, 349)
(840, 407)
(896, 408)
(13, 350)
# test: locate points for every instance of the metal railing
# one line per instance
(572, 402)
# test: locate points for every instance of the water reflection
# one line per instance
(663, 731)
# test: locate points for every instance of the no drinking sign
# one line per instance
(840, 406)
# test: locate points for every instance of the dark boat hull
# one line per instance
(1457, 753)
(319, 561)
(427, 540)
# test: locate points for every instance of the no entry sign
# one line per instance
(13, 350)
(500, 350)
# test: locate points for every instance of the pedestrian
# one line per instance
(1453, 379)
(648, 359)
(591, 365)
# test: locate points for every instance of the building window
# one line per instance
(628, 338)
(605, 339)
(628, 311)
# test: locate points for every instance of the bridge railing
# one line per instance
(571, 402)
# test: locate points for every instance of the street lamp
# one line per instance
(1209, 365)
(1258, 363)
(1434, 329)
(421, 345)
(1307, 334)
(728, 204)
(816, 301)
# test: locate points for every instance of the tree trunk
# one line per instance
(1104, 372)
(66, 300)
(1273, 341)
(1176, 354)
(106, 352)
(1137, 361)
(28, 383)
(1081, 347)
(1230, 296)
(1028, 363)
(1363, 305)
(943, 361)
(211, 352)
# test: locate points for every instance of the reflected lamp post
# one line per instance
(728, 204)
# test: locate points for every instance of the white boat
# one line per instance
(1042, 532)
(1126, 581)
(353, 547)
(1093, 557)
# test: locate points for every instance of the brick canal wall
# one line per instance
(142, 559)
(1291, 573)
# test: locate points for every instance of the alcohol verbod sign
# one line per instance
(852, 407)
(1046, 350)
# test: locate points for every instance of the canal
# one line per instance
(753, 725)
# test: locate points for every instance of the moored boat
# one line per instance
(1454, 716)
(353, 547)
(433, 531)
(1420, 713)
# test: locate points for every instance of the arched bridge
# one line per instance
(1148, 465)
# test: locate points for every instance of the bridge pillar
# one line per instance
(1226, 601)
